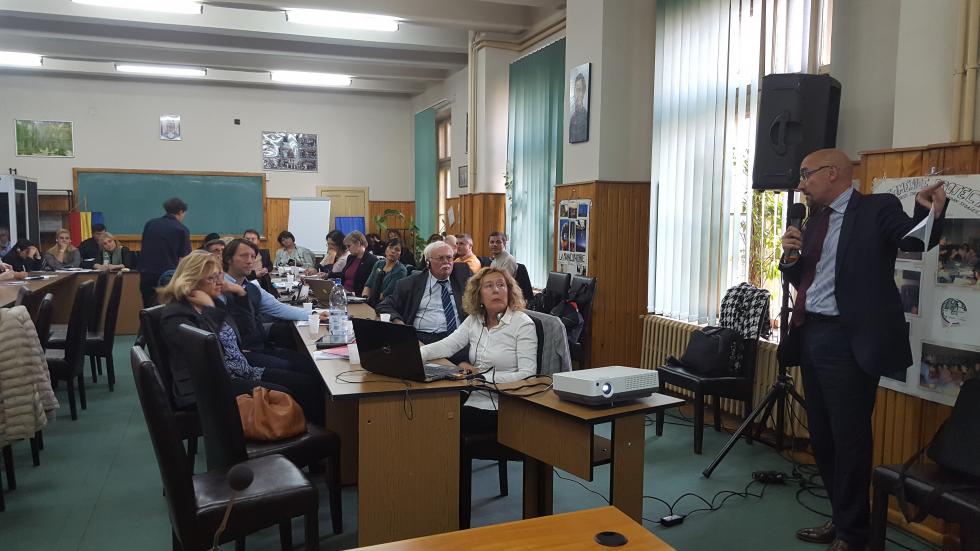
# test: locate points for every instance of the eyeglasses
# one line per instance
(214, 279)
(806, 173)
(499, 285)
(443, 258)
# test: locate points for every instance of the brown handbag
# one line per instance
(270, 415)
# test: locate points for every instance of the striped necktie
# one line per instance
(447, 306)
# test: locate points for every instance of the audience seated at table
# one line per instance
(24, 256)
(385, 274)
(190, 297)
(500, 258)
(464, 252)
(408, 255)
(8, 274)
(112, 255)
(359, 264)
(337, 254)
(63, 254)
(375, 245)
(292, 254)
(501, 338)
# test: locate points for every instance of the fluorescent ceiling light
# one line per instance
(347, 20)
(311, 79)
(20, 59)
(169, 6)
(161, 70)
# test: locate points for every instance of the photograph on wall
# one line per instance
(958, 253)
(953, 312)
(944, 369)
(578, 103)
(463, 177)
(907, 282)
(289, 151)
(573, 236)
(170, 128)
(44, 138)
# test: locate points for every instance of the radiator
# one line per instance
(664, 337)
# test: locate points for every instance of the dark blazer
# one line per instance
(91, 252)
(868, 300)
(266, 260)
(363, 271)
(165, 241)
(18, 264)
(174, 314)
(403, 304)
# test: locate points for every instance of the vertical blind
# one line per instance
(425, 171)
(534, 155)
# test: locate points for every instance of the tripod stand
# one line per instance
(781, 390)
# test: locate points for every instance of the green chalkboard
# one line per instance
(226, 203)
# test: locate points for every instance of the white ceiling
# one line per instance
(239, 41)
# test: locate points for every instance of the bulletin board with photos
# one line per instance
(573, 236)
(940, 293)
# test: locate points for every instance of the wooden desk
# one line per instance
(399, 443)
(552, 432)
(566, 532)
(38, 287)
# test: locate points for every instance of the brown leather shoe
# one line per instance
(824, 533)
(841, 545)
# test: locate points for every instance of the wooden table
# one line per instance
(566, 532)
(552, 432)
(399, 443)
(9, 291)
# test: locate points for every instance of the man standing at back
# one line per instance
(165, 241)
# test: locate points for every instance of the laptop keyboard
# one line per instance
(437, 371)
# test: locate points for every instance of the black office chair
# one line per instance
(555, 290)
(68, 364)
(524, 282)
(278, 493)
(98, 343)
(59, 332)
(224, 439)
(22, 295)
(582, 291)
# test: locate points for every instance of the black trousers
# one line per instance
(148, 285)
(840, 399)
(429, 338)
(477, 421)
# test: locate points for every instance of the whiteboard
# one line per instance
(309, 221)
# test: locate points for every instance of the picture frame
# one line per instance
(463, 177)
(170, 128)
(289, 151)
(579, 90)
(43, 138)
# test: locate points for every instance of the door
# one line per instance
(351, 201)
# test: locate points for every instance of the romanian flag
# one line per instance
(80, 225)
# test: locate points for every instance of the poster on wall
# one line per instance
(44, 138)
(170, 128)
(940, 292)
(573, 236)
(579, 82)
(289, 151)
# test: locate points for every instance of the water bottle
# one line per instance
(338, 309)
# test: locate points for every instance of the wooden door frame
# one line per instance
(367, 199)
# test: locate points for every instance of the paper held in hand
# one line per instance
(923, 229)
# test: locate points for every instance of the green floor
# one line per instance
(98, 488)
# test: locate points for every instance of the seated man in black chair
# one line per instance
(431, 300)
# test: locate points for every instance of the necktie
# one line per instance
(808, 269)
(447, 306)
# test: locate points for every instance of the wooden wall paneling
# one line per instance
(454, 204)
(377, 208)
(482, 213)
(276, 220)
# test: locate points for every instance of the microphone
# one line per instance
(239, 477)
(794, 218)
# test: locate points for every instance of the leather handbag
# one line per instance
(713, 351)
(270, 415)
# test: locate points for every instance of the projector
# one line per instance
(605, 385)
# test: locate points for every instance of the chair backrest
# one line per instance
(78, 326)
(42, 320)
(165, 436)
(95, 314)
(22, 295)
(221, 425)
(484, 260)
(556, 289)
(112, 312)
(153, 335)
(539, 330)
(524, 282)
(582, 291)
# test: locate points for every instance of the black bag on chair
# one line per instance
(955, 447)
(713, 351)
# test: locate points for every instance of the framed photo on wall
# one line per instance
(579, 86)
(463, 175)
(44, 138)
(289, 151)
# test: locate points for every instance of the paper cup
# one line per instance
(290, 278)
(308, 306)
(355, 356)
(314, 328)
(385, 317)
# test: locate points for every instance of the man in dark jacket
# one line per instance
(165, 241)
(91, 249)
(24, 256)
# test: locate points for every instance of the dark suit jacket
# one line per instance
(362, 274)
(89, 249)
(867, 297)
(403, 304)
(165, 241)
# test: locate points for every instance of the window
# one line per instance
(444, 168)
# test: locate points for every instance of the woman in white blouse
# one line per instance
(502, 340)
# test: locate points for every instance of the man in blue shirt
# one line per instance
(165, 241)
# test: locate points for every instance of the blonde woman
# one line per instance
(502, 340)
(112, 255)
(63, 254)
(191, 297)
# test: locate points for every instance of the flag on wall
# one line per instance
(80, 225)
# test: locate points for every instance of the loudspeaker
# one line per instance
(797, 116)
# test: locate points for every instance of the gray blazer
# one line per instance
(73, 259)
(555, 356)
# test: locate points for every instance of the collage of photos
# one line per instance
(573, 236)
(958, 252)
(945, 369)
(289, 151)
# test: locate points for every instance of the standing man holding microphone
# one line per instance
(847, 327)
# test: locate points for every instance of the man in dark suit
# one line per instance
(431, 300)
(165, 241)
(848, 326)
(91, 249)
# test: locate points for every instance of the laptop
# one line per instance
(320, 289)
(392, 349)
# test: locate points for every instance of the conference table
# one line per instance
(400, 443)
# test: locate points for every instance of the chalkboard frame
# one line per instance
(75, 171)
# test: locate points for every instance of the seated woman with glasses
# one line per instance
(359, 264)
(190, 298)
(63, 254)
(502, 340)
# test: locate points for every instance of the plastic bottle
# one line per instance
(338, 309)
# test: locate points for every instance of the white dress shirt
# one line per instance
(509, 351)
(430, 317)
(821, 297)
